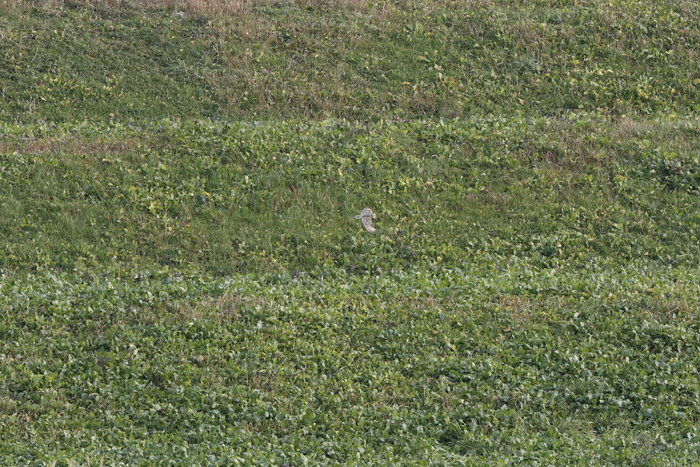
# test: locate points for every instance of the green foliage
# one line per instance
(530, 293)
(183, 281)
(274, 197)
(75, 65)
(460, 367)
(311, 60)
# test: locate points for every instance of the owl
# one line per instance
(367, 215)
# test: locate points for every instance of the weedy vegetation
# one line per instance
(183, 280)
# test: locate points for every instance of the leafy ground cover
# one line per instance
(202, 293)
(361, 60)
(497, 363)
(275, 197)
(183, 282)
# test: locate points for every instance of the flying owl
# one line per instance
(367, 215)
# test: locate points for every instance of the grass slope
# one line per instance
(274, 197)
(289, 60)
(183, 282)
(497, 363)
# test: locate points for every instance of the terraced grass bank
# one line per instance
(65, 61)
(183, 281)
(275, 197)
(498, 363)
(201, 293)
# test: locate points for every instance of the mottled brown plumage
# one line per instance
(367, 215)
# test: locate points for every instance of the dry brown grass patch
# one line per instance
(215, 8)
(524, 310)
(71, 146)
(225, 309)
(673, 309)
(210, 7)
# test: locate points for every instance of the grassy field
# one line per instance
(357, 60)
(183, 281)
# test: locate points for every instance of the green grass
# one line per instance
(183, 281)
(274, 197)
(497, 362)
(305, 60)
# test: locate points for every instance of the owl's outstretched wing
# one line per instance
(367, 215)
(369, 225)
